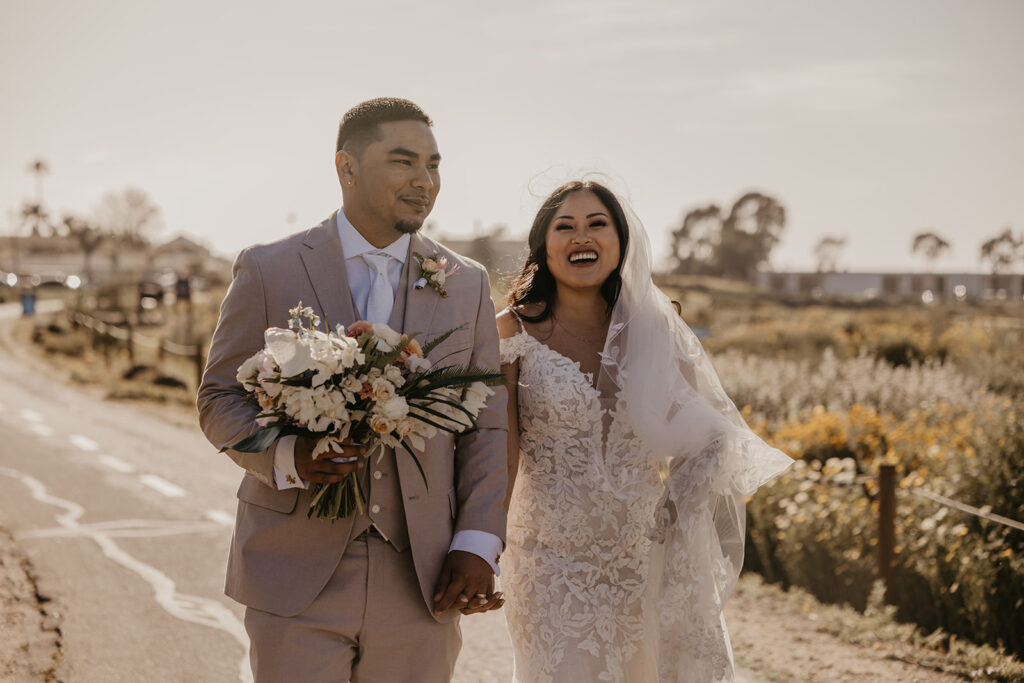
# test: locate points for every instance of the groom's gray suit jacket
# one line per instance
(279, 559)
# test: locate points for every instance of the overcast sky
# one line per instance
(867, 120)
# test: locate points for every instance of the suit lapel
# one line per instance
(419, 305)
(325, 266)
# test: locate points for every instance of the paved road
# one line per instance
(126, 516)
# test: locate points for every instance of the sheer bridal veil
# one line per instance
(714, 463)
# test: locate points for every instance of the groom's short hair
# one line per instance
(358, 126)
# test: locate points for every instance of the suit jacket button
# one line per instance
(377, 474)
(375, 509)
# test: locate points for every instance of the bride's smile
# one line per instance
(582, 244)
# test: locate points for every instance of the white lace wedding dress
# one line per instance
(613, 572)
(577, 563)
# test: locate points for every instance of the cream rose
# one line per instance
(394, 409)
(394, 375)
(383, 390)
(381, 424)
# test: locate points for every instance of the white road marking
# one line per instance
(30, 415)
(190, 608)
(40, 429)
(130, 528)
(116, 464)
(161, 485)
(83, 442)
(221, 517)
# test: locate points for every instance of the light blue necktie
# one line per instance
(381, 299)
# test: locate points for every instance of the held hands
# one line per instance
(467, 584)
(326, 470)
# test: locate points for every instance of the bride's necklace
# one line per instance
(577, 337)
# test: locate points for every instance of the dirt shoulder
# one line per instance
(29, 630)
(784, 641)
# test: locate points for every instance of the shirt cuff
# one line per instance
(285, 476)
(480, 543)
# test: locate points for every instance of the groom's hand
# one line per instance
(324, 470)
(464, 577)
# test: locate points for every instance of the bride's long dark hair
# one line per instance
(536, 284)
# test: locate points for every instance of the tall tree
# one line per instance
(695, 240)
(930, 244)
(827, 251)
(750, 232)
(129, 215)
(1002, 252)
(88, 237)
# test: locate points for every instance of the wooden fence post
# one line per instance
(886, 526)
(130, 342)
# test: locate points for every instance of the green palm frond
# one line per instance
(417, 461)
(457, 377)
(433, 343)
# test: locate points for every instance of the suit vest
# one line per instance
(379, 478)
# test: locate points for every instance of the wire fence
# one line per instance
(127, 335)
(886, 523)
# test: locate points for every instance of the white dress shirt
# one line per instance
(353, 246)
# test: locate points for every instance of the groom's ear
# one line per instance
(345, 164)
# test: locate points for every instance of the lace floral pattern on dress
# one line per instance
(576, 568)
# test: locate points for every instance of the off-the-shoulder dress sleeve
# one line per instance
(514, 347)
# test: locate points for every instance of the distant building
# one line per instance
(502, 258)
(54, 259)
(917, 286)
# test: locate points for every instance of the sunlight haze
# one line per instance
(871, 121)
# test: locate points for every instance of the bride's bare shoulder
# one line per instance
(509, 321)
(508, 324)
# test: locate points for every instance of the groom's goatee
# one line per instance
(408, 227)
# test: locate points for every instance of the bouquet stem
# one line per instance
(336, 500)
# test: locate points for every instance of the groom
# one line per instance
(373, 596)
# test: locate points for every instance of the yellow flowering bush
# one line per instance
(816, 526)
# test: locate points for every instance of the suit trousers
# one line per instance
(368, 625)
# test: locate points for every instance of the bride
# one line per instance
(630, 465)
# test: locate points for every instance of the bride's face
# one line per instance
(582, 242)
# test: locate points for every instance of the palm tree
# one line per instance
(1002, 252)
(827, 252)
(929, 244)
(932, 246)
(39, 168)
(35, 215)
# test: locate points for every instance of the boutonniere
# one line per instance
(435, 272)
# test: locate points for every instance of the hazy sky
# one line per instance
(869, 120)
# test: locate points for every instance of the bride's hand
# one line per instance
(494, 601)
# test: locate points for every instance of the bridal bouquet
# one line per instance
(367, 384)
